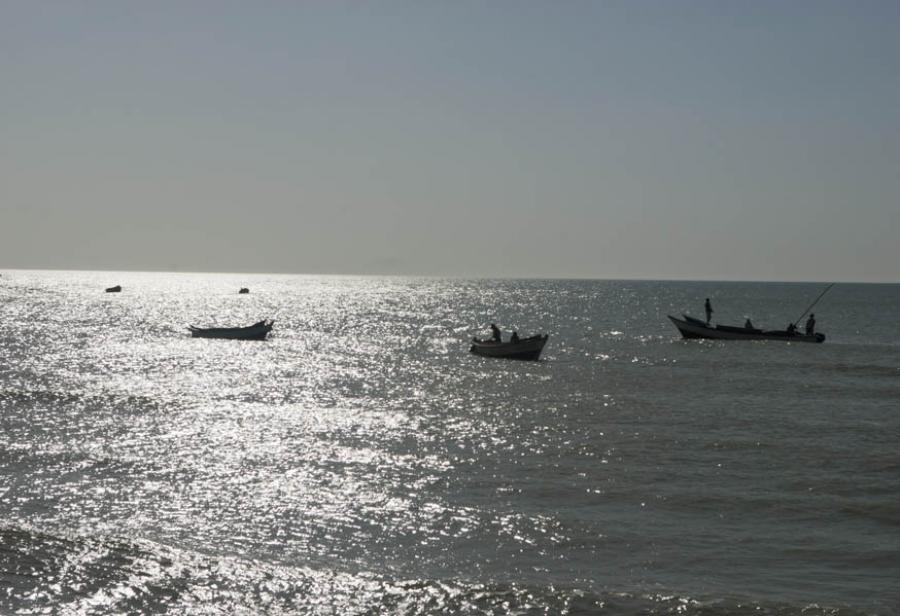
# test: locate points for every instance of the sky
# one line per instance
(724, 140)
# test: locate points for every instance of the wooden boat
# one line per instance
(695, 328)
(524, 348)
(115, 289)
(257, 331)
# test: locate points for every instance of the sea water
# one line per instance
(362, 461)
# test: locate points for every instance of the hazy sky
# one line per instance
(688, 139)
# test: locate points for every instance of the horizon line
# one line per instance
(443, 276)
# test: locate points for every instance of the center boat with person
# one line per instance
(696, 328)
(257, 331)
(519, 348)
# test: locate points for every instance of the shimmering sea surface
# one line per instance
(361, 461)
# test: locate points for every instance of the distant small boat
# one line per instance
(115, 289)
(524, 348)
(695, 328)
(244, 290)
(257, 331)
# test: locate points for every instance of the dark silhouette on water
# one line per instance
(516, 348)
(695, 328)
(115, 289)
(514, 338)
(812, 305)
(257, 331)
(495, 332)
(244, 290)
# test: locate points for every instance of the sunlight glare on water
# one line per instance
(362, 461)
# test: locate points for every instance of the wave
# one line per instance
(42, 572)
(42, 398)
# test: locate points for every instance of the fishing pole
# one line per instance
(814, 303)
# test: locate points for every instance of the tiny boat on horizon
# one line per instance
(523, 348)
(257, 331)
(695, 328)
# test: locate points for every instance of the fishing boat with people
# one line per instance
(257, 331)
(515, 348)
(691, 327)
(697, 328)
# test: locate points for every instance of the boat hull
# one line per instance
(524, 349)
(257, 331)
(693, 328)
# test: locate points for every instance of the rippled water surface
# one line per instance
(361, 461)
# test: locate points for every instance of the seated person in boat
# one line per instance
(811, 325)
(495, 332)
(748, 324)
(791, 328)
(514, 338)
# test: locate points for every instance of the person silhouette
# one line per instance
(709, 311)
(495, 332)
(811, 325)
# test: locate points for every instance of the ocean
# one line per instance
(362, 461)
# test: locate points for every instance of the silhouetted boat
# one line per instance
(115, 289)
(695, 328)
(524, 348)
(244, 290)
(257, 331)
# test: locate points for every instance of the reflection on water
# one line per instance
(361, 461)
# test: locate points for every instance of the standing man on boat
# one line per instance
(495, 331)
(709, 311)
(811, 325)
